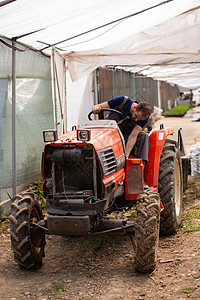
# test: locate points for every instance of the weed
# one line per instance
(91, 273)
(4, 223)
(60, 287)
(190, 183)
(2, 207)
(187, 290)
(130, 213)
(2, 215)
(197, 277)
(11, 199)
(97, 245)
(36, 188)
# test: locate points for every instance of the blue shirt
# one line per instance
(116, 101)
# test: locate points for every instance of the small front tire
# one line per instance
(147, 232)
(27, 241)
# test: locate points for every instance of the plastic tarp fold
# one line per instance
(151, 37)
(168, 51)
(59, 91)
(80, 99)
(63, 20)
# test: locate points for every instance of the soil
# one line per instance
(101, 267)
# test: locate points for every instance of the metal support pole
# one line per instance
(14, 117)
(159, 94)
(95, 90)
(94, 174)
(54, 85)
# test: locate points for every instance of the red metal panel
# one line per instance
(134, 179)
(157, 140)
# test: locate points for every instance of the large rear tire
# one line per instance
(27, 241)
(170, 187)
(147, 232)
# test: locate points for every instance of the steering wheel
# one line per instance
(101, 117)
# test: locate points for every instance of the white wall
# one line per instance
(80, 99)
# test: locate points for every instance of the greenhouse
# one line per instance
(49, 63)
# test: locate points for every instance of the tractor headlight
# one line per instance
(120, 161)
(83, 135)
(50, 135)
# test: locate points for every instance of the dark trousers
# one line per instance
(141, 148)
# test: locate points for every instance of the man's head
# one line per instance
(140, 111)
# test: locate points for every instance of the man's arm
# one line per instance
(132, 139)
(97, 108)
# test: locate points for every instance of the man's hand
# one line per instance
(96, 109)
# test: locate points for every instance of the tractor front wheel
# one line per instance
(27, 240)
(147, 232)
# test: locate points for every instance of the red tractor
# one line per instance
(86, 177)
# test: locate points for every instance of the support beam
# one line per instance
(14, 117)
(95, 91)
(54, 89)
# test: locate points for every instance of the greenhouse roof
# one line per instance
(159, 39)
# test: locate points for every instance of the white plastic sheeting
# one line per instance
(34, 113)
(62, 19)
(169, 51)
(80, 99)
(195, 160)
(59, 91)
(159, 42)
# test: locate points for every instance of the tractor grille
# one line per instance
(108, 161)
(70, 171)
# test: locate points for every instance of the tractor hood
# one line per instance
(90, 158)
(102, 134)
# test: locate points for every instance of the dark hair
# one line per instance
(145, 108)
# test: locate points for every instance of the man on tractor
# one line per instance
(131, 124)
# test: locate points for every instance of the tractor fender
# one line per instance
(157, 138)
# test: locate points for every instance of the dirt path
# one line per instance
(102, 267)
(190, 128)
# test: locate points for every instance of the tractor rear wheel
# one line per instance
(170, 187)
(27, 240)
(147, 232)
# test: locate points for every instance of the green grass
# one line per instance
(177, 111)
(191, 220)
(188, 290)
